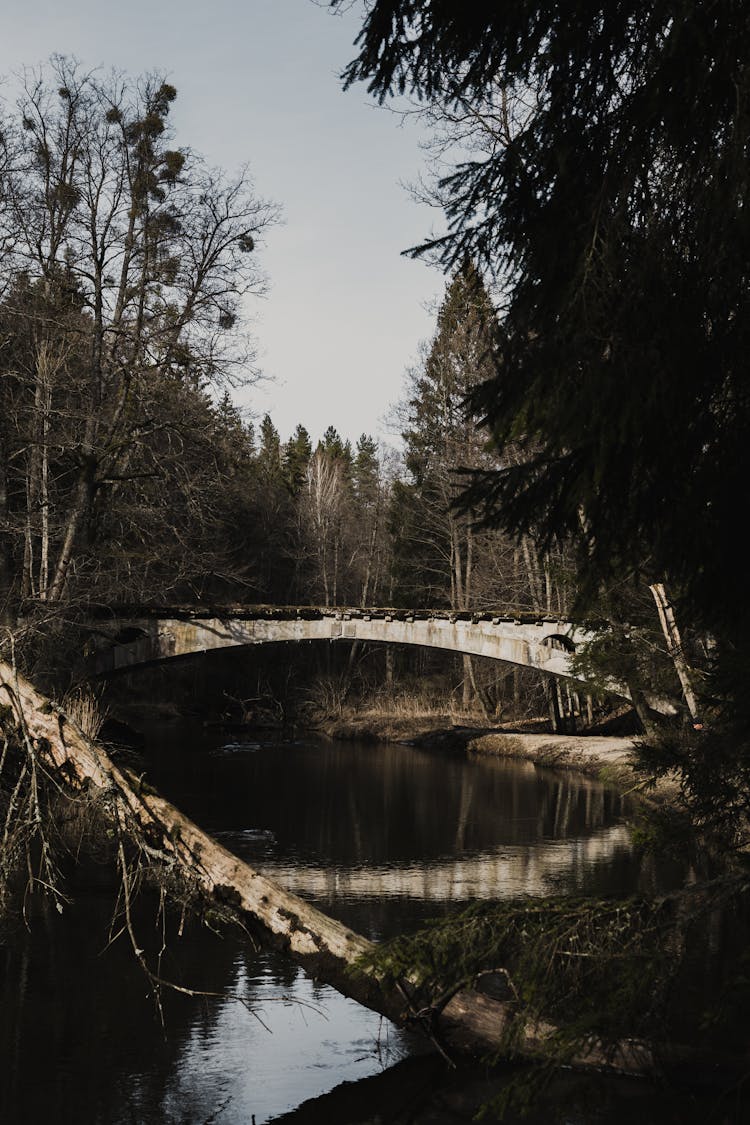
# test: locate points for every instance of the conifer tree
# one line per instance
(268, 460)
(441, 437)
(369, 491)
(296, 457)
(606, 195)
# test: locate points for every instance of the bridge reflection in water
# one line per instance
(509, 872)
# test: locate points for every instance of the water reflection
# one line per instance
(80, 1040)
(375, 805)
(505, 873)
(354, 826)
(382, 837)
(309, 1040)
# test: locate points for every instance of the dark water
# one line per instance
(382, 837)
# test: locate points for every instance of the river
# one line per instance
(380, 836)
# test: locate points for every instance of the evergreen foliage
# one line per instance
(296, 457)
(268, 461)
(435, 545)
(592, 971)
(609, 203)
(600, 183)
(441, 556)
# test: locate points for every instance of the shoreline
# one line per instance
(608, 758)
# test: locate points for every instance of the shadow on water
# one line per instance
(423, 1092)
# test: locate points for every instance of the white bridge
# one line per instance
(126, 639)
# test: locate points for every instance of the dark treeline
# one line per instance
(124, 262)
(594, 165)
(192, 502)
(128, 475)
(126, 472)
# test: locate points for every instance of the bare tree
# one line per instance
(324, 510)
(139, 258)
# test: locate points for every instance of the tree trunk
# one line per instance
(44, 499)
(532, 574)
(640, 706)
(390, 660)
(550, 691)
(469, 568)
(466, 684)
(6, 554)
(478, 691)
(368, 572)
(27, 570)
(674, 646)
(83, 499)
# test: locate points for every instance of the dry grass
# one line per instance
(86, 710)
(406, 704)
(398, 717)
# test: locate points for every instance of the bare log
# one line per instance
(469, 1022)
(324, 947)
(674, 646)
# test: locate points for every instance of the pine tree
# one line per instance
(295, 459)
(441, 437)
(268, 460)
(369, 501)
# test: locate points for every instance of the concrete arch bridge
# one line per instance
(129, 637)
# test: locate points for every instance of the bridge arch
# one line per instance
(542, 643)
(560, 641)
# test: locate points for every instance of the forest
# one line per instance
(573, 436)
(128, 476)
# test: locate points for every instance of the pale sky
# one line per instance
(258, 83)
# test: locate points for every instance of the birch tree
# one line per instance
(324, 507)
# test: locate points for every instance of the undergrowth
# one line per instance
(585, 973)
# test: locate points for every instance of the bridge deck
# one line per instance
(126, 636)
(521, 616)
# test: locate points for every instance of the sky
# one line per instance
(258, 84)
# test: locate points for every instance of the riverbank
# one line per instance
(605, 757)
(609, 758)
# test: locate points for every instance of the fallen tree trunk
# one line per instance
(468, 1022)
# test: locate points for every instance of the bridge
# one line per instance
(129, 637)
(125, 637)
